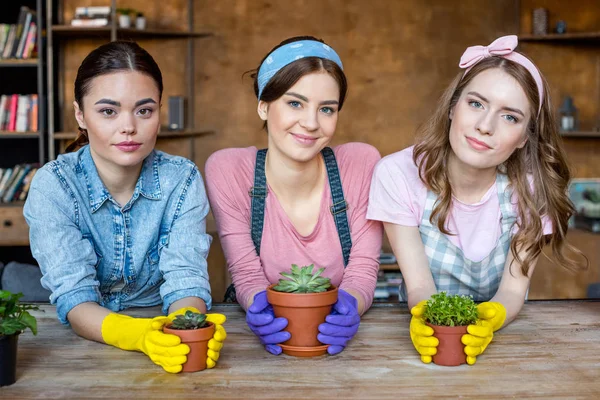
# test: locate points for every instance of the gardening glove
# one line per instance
(216, 343)
(421, 334)
(491, 318)
(341, 325)
(262, 322)
(145, 335)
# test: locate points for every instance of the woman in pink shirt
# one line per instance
(300, 202)
(469, 208)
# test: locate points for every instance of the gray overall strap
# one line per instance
(258, 193)
(339, 207)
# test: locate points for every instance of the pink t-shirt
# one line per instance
(229, 176)
(398, 196)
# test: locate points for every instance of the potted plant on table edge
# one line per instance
(14, 320)
(304, 298)
(194, 330)
(449, 316)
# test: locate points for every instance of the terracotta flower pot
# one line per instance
(197, 339)
(8, 359)
(450, 351)
(304, 312)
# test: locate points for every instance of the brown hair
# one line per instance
(287, 76)
(106, 59)
(542, 157)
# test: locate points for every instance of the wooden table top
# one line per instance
(551, 351)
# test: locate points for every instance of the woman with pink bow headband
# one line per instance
(468, 209)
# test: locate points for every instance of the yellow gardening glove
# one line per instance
(216, 343)
(145, 335)
(491, 318)
(421, 334)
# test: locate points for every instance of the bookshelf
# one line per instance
(23, 75)
(61, 34)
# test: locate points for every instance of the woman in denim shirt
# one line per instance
(118, 224)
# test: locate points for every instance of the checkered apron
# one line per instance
(452, 271)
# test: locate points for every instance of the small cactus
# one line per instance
(302, 280)
(189, 320)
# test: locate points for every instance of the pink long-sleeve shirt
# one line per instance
(230, 174)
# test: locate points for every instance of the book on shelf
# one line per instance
(19, 40)
(91, 16)
(19, 113)
(15, 182)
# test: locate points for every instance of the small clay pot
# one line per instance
(304, 312)
(197, 340)
(450, 351)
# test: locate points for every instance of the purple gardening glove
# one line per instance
(341, 325)
(262, 322)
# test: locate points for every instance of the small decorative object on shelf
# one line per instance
(561, 26)
(140, 21)
(585, 195)
(124, 16)
(567, 115)
(540, 21)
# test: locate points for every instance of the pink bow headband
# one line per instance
(502, 47)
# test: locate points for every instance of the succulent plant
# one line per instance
(450, 310)
(303, 280)
(189, 320)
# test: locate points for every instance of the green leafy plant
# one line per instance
(450, 310)
(14, 316)
(189, 320)
(303, 280)
(125, 11)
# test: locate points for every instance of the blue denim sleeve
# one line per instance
(67, 260)
(183, 260)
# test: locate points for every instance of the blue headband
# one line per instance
(289, 53)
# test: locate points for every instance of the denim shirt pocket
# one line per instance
(153, 258)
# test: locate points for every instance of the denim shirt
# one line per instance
(90, 249)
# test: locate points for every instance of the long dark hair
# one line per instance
(109, 58)
(287, 76)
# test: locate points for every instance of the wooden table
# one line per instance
(551, 350)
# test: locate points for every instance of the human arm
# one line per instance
(410, 253)
(183, 259)
(502, 309)
(228, 179)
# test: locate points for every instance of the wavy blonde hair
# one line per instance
(542, 156)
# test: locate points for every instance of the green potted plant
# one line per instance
(449, 316)
(305, 298)
(14, 320)
(194, 330)
(124, 17)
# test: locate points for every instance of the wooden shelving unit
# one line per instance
(59, 33)
(69, 31)
(562, 37)
(32, 62)
(580, 134)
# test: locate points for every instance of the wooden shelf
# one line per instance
(13, 204)
(580, 134)
(562, 37)
(68, 30)
(18, 135)
(185, 133)
(162, 134)
(30, 62)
